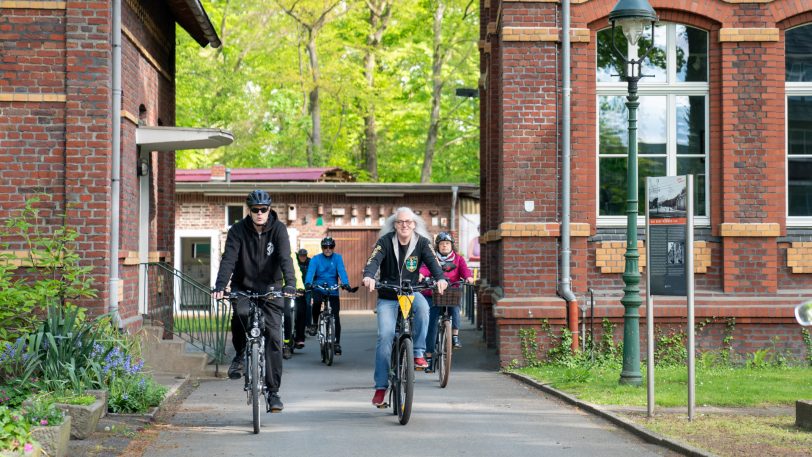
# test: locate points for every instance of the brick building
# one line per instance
(729, 101)
(314, 203)
(85, 88)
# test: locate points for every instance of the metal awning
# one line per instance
(179, 138)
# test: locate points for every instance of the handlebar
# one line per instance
(323, 287)
(272, 293)
(406, 287)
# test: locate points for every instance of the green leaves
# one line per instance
(258, 86)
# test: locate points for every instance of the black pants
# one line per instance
(272, 311)
(302, 306)
(288, 319)
(335, 304)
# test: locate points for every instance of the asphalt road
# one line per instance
(328, 413)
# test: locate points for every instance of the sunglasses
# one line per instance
(262, 210)
(329, 247)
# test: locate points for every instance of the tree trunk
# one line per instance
(436, 94)
(379, 14)
(315, 104)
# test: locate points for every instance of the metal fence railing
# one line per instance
(184, 308)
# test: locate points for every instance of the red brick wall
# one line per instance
(746, 157)
(61, 145)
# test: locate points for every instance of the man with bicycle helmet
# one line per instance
(455, 269)
(257, 257)
(328, 267)
(397, 255)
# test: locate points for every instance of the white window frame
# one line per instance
(670, 89)
(793, 89)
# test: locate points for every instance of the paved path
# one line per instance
(328, 412)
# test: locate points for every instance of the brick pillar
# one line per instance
(753, 158)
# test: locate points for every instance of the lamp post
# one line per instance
(632, 16)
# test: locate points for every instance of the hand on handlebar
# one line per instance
(441, 286)
(369, 283)
(217, 294)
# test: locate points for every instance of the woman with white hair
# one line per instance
(403, 246)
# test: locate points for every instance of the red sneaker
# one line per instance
(378, 398)
(420, 363)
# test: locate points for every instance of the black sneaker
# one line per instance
(338, 349)
(430, 368)
(235, 370)
(455, 341)
(286, 354)
(274, 403)
(311, 330)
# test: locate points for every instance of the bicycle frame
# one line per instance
(325, 325)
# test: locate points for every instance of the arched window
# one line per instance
(672, 121)
(799, 124)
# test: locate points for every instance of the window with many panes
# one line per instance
(799, 124)
(672, 120)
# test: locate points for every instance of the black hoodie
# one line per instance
(254, 261)
(385, 256)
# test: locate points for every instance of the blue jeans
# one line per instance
(434, 314)
(387, 319)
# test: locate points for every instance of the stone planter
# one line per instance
(53, 439)
(85, 418)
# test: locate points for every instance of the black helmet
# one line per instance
(258, 198)
(302, 251)
(443, 236)
(328, 242)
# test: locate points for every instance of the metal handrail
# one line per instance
(184, 308)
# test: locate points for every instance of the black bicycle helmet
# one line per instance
(258, 198)
(443, 236)
(303, 252)
(328, 242)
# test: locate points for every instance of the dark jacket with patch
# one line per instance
(255, 261)
(393, 270)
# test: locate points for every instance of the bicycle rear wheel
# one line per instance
(329, 340)
(444, 347)
(405, 381)
(256, 385)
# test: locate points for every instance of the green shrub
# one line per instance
(43, 411)
(135, 394)
(16, 432)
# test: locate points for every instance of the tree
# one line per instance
(380, 11)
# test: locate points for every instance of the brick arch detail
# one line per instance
(794, 21)
(707, 15)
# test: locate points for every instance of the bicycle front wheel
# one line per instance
(256, 385)
(405, 381)
(444, 352)
(329, 341)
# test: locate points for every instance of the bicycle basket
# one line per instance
(451, 297)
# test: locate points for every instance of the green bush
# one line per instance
(53, 273)
(16, 432)
(43, 411)
(135, 394)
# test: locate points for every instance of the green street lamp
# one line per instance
(632, 16)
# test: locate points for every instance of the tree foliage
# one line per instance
(259, 85)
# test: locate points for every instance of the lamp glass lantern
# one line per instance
(633, 16)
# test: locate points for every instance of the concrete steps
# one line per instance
(174, 356)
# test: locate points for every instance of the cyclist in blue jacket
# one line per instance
(327, 267)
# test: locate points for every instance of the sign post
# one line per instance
(670, 261)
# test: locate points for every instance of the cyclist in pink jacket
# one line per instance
(446, 254)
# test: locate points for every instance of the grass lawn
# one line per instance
(733, 387)
(745, 433)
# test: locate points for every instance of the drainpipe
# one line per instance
(115, 163)
(454, 190)
(565, 281)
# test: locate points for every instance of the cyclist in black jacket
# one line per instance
(256, 257)
(403, 246)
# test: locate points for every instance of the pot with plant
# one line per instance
(15, 439)
(50, 426)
